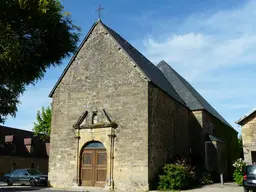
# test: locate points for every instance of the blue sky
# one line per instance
(212, 43)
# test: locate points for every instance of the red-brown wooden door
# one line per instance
(94, 167)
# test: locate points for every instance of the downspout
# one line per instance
(112, 136)
(78, 156)
(110, 167)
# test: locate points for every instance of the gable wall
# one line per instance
(249, 137)
(168, 131)
(102, 77)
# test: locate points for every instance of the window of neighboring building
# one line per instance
(253, 154)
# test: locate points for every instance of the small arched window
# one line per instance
(94, 144)
(32, 165)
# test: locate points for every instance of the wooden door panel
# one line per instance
(101, 175)
(87, 175)
(88, 158)
(101, 158)
(94, 167)
(101, 167)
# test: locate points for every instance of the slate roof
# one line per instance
(190, 96)
(210, 137)
(239, 121)
(151, 72)
(165, 78)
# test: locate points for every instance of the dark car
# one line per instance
(26, 176)
(249, 180)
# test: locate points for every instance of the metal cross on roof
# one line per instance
(99, 11)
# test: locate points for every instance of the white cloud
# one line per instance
(216, 53)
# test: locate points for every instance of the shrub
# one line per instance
(239, 165)
(175, 177)
(206, 179)
(184, 161)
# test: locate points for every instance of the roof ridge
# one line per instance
(18, 129)
(248, 114)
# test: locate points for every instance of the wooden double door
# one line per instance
(93, 170)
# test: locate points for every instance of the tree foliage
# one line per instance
(34, 35)
(238, 174)
(42, 127)
(240, 147)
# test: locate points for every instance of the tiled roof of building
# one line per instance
(239, 121)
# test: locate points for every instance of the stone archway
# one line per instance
(93, 164)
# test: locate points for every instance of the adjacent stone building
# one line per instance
(248, 124)
(117, 119)
(20, 149)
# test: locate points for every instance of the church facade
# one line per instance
(117, 119)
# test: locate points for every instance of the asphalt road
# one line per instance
(26, 189)
(18, 188)
(228, 187)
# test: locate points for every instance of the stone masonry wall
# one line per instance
(196, 136)
(249, 137)
(102, 77)
(168, 131)
(201, 122)
(228, 135)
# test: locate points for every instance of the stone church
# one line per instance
(117, 119)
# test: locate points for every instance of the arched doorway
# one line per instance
(93, 165)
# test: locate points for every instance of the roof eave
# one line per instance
(247, 115)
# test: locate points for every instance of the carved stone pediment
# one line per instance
(94, 119)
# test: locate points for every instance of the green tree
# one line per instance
(42, 127)
(34, 35)
(240, 147)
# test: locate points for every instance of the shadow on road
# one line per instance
(19, 188)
